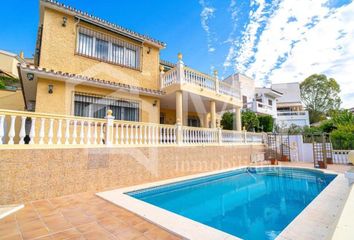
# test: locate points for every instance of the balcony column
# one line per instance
(179, 108)
(238, 118)
(206, 121)
(213, 114)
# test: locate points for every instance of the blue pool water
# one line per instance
(249, 203)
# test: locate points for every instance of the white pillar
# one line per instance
(179, 107)
(238, 119)
(180, 69)
(109, 127)
(213, 114)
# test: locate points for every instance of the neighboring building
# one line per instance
(289, 106)
(259, 100)
(282, 101)
(351, 109)
(8, 64)
(85, 66)
(10, 91)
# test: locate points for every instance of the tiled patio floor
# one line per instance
(86, 216)
(79, 216)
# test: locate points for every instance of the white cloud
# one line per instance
(302, 38)
(205, 16)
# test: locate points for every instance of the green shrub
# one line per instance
(227, 121)
(343, 137)
(249, 120)
(266, 123)
(327, 126)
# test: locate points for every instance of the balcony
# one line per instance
(182, 75)
(262, 108)
(300, 118)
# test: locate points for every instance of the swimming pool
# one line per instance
(249, 203)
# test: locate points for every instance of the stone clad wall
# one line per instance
(30, 174)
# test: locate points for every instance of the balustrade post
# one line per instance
(23, 130)
(245, 135)
(219, 135)
(33, 130)
(12, 130)
(109, 125)
(50, 132)
(179, 133)
(180, 69)
(59, 131)
(2, 134)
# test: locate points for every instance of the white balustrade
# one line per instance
(87, 131)
(340, 156)
(23, 130)
(2, 132)
(60, 122)
(50, 133)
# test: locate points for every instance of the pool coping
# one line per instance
(190, 229)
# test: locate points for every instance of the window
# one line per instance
(96, 107)
(106, 48)
(118, 54)
(101, 49)
(270, 102)
(244, 101)
(131, 58)
(85, 44)
(193, 121)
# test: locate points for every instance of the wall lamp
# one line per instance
(50, 89)
(65, 19)
(154, 103)
(149, 50)
(30, 76)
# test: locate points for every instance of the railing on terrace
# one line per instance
(199, 79)
(19, 128)
(182, 74)
(293, 113)
(340, 156)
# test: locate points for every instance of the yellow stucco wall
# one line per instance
(12, 100)
(61, 100)
(58, 53)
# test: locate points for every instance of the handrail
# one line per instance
(21, 127)
(293, 113)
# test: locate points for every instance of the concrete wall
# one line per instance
(29, 174)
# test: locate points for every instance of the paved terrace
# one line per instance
(86, 216)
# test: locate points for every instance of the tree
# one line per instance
(320, 95)
(227, 121)
(266, 123)
(249, 120)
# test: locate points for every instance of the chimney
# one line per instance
(22, 55)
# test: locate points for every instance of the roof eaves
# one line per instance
(103, 22)
(97, 81)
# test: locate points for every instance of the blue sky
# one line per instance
(271, 41)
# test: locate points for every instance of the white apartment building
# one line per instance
(289, 106)
(282, 101)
